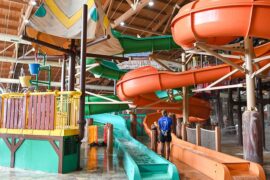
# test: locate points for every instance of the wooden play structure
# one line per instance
(34, 124)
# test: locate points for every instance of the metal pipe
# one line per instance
(99, 40)
(82, 69)
(43, 43)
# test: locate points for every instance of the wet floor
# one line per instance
(96, 164)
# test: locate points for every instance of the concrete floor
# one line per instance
(96, 166)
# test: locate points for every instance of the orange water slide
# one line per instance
(220, 21)
(140, 84)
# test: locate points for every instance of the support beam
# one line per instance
(213, 53)
(82, 121)
(58, 84)
(130, 13)
(259, 71)
(223, 78)
(72, 63)
(26, 16)
(252, 136)
(220, 87)
(13, 38)
(136, 28)
(185, 93)
(63, 76)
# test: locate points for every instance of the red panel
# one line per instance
(43, 111)
(30, 112)
(47, 112)
(11, 119)
(16, 113)
(34, 118)
(23, 112)
(51, 125)
(38, 112)
(5, 114)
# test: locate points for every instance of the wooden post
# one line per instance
(178, 127)
(82, 69)
(110, 139)
(240, 129)
(252, 136)
(133, 125)
(184, 132)
(154, 137)
(217, 139)
(173, 116)
(198, 134)
(90, 121)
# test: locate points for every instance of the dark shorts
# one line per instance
(164, 139)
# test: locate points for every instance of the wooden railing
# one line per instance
(39, 111)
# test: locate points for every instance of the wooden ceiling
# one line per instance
(142, 22)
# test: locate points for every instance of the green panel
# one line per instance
(71, 154)
(132, 44)
(37, 155)
(103, 108)
(5, 154)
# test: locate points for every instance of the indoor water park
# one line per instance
(135, 89)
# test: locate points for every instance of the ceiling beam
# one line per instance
(130, 13)
(19, 1)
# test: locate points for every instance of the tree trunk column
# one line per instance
(110, 139)
(133, 125)
(173, 117)
(178, 127)
(252, 136)
(154, 137)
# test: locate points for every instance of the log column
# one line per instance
(110, 139)
(252, 136)
(133, 125)
(154, 137)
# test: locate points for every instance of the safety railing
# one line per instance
(39, 110)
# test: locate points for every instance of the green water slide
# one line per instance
(140, 163)
(103, 108)
(132, 44)
(106, 69)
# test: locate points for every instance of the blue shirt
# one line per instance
(165, 123)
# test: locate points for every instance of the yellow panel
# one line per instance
(67, 22)
(57, 132)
